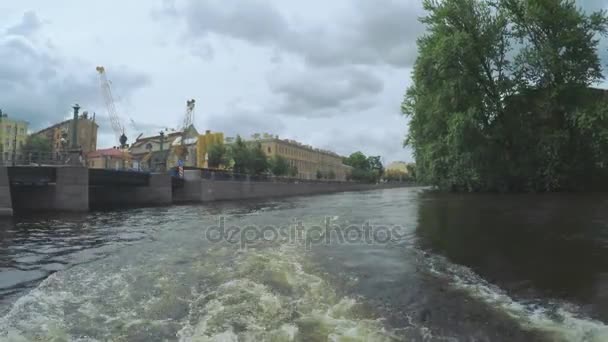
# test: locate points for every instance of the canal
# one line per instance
(387, 265)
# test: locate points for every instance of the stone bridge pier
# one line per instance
(68, 192)
(6, 202)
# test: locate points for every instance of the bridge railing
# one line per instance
(35, 158)
(227, 175)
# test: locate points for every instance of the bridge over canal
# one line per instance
(75, 188)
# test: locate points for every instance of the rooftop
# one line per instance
(268, 137)
(84, 116)
(107, 152)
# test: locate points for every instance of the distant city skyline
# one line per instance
(328, 74)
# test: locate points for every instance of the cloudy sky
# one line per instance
(327, 73)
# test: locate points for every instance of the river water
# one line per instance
(388, 265)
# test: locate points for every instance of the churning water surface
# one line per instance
(388, 265)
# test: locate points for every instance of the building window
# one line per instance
(269, 150)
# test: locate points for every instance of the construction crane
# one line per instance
(106, 92)
(181, 150)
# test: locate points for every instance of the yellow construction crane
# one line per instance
(181, 151)
(117, 126)
(106, 92)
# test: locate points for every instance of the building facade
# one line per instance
(59, 135)
(109, 158)
(202, 146)
(13, 135)
(159, 151)
(309, 161)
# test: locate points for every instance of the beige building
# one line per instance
(152, 152)
(109, 158)
(308, 160)
(59, 135)
(13, 134)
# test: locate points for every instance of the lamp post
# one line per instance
(74, 139)
(74, 149)
(161, 164)
(15, 146)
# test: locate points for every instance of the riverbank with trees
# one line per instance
(504, 97)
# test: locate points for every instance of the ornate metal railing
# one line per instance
(37, 158)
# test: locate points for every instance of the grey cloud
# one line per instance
(30, 23)
(365, 136)
(253, 20)
(371, 33)
(244, 122)
(375, 33)
(325, 91)
(40, 87)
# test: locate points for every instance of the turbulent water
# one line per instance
(390, 265)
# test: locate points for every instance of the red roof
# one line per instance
(107, 152)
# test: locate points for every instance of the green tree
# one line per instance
(248, 158)
(216, 155)
(293, 171)
(240, 155)
(279, 165)
(499, 99)
(331, 174)
(258, 162)
(37, 148)
(365, 169)
(411, 171)
(37, 143)
(357, 160)
(319, 174)
(375, 164)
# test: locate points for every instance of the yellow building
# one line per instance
(398, 166)
(13, 134)
(59, 135)
(397, 171)
(202, 146)
(309, 161)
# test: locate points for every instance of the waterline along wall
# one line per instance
(198, 189)
(157, 192)
(70, 188)
(6, 205)
(69, 192)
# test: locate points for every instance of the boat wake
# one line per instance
(560, 321)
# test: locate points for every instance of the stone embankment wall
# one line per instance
(197, 189)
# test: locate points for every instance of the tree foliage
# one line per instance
(216, 155)
(500, 99)
(293, 171)
(37, 144)
(37, 148)
(248, 158)
(364, 169)
(279, 165)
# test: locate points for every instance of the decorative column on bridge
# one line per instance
(75, 150)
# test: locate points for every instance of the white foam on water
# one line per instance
(557, 319)
(270, 296)
(80, 305)
(225, 294)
